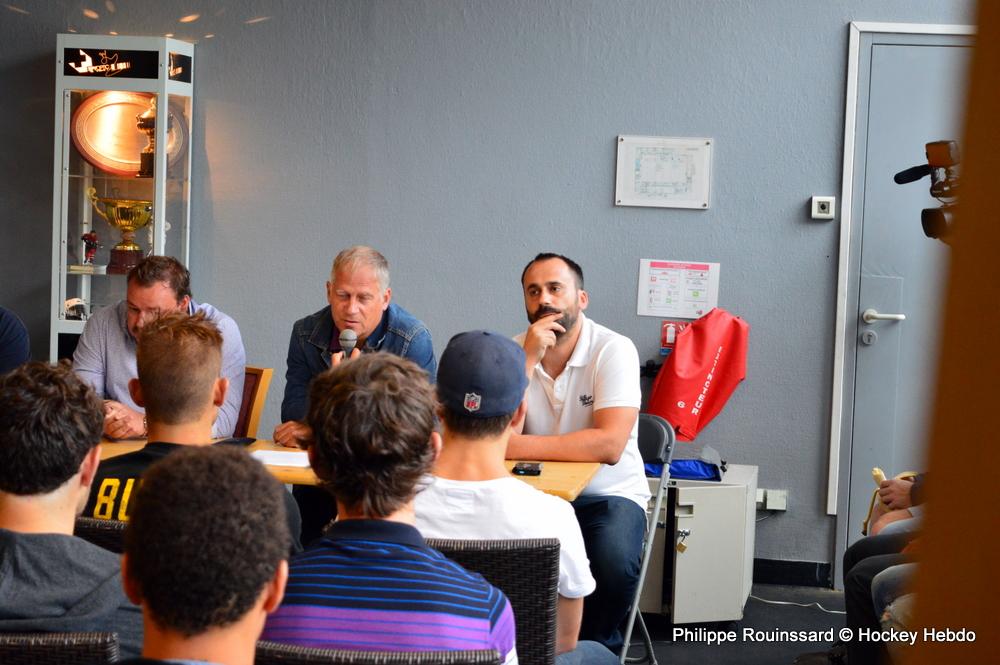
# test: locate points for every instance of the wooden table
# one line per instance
(563, 479)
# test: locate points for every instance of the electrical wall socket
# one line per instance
(761, 493)
(823, 207)
(776, 500)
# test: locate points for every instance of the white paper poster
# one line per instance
(677, 289)
(664, 172)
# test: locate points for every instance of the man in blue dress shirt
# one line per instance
(105, 355)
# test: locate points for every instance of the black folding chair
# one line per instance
(656, 445)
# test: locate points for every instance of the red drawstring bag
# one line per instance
(708, 362)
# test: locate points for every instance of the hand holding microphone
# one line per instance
(348, 343)
(295, 434)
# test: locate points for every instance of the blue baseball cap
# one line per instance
(481, 375)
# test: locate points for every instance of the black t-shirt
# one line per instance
(118, 478)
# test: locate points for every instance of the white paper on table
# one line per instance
(295, 458)
(677, 289)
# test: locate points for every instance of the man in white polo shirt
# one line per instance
(583, 403)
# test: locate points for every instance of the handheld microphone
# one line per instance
(348, 340)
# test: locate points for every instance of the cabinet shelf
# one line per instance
(70, 272)
(119, 178)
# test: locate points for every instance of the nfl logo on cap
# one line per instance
(472, 401)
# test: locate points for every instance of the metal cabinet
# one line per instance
(710, 579)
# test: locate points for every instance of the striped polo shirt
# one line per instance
(375, 585)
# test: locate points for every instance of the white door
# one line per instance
(911, 91)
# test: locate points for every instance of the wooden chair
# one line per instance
(255, 385)
(271, 653)
(58, 648)
(109, 534)
(527, 571)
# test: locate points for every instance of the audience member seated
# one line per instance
(904, 499)
(359, 299)
(893, 599)
(480, 387)
(106, 354)
(51, 581)
(864, 562)
(205, 555)
(583, 406)
(891, 584)
(14, 344)
(899, 615)
(371, 582)
(178, 358)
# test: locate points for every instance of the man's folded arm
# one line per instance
(604, 442)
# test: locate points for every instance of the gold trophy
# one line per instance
(146, 123)
(128, 216)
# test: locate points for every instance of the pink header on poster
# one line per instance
(670, 265)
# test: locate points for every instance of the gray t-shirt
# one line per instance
(51, 582)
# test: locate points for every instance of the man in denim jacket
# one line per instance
(360, 299)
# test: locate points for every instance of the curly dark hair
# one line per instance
(207, 532)
(372, 419)
(570, 263)
(474, 428)
(154, 269)
(49, 421)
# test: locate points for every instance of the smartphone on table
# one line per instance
(527, 469)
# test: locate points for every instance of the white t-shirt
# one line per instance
(603, 372)
(506, 508)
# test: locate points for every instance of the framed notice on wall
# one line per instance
(664, 172)
(677, 289)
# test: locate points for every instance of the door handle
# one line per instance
(870, 316)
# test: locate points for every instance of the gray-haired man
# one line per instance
(359, 299)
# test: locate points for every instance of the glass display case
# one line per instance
(122, 169)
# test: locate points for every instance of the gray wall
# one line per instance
(460, 138)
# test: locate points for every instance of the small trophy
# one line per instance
(128, 216)
(90, 245)
(146, 123)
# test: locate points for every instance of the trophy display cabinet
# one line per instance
(121, 169)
